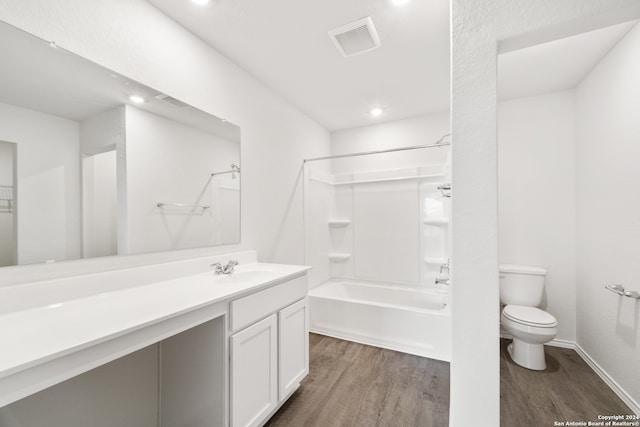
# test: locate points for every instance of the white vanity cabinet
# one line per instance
(269, 350)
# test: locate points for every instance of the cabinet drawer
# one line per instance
(247, 310)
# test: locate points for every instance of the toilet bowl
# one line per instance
(530, 328)
(521, 290)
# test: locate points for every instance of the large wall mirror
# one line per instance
(94, 164)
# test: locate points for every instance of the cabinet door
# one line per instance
(254, 364)
(293, 346)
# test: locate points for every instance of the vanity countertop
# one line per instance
(39, 335)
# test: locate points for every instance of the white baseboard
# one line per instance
(562, 343)
(613, 385)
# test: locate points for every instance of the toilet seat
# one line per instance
(529, 316)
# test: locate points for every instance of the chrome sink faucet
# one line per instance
(226, 269)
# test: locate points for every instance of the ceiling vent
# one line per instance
(171, 100)
(357, 37)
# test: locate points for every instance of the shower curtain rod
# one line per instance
(234, 169)
(438, 143)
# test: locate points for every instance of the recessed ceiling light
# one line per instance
(200, 2)
(375, 112)
(137, 99)
(399, 2)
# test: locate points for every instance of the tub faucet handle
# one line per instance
(442, 281)
(218, 267)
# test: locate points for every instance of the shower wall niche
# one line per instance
(389, 224)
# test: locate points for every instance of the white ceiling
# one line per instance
(284, 43)
(558, 65)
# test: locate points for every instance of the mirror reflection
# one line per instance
(94, 164)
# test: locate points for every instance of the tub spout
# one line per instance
(442, 281)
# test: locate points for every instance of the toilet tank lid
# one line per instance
(522, 269)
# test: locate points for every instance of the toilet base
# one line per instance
(530, 356)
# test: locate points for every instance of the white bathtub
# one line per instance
(407, 319)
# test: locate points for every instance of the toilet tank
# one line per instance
(521, 284)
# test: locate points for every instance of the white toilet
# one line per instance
(521, 290)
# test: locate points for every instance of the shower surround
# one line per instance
(377, 241)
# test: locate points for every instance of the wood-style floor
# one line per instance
(568, 390)
(354, 385)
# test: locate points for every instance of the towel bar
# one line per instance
(619, 289)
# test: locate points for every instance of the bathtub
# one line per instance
(397, 317)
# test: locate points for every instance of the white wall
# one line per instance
(477, 29)
(400, 133)
(608, 214)
(48, 173)
(536, 189)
